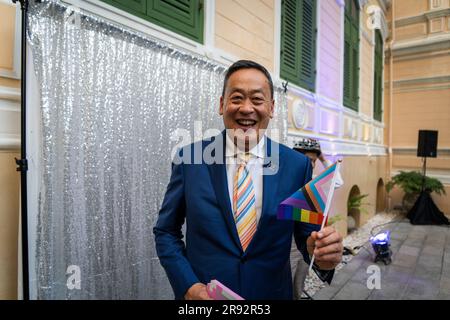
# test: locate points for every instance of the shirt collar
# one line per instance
(257, 151)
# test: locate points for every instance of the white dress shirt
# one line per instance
(254, 166)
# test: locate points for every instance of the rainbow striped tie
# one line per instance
(244, 206)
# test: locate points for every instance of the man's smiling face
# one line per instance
(247, 105)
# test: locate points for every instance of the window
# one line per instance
(184, 17)
(298, 42)
(351, 55)
(378, 78)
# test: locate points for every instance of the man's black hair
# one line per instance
(247, 64)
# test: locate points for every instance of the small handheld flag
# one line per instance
(311, 203)
(218, 291)
(308, 204)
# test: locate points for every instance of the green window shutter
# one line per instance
(351, 55)
(348, 75)
(181, 16)
(298, 42)
(378, 77)
(290, 38)
(130, 5)
(184, 17)
(308, 45)
(355, 66)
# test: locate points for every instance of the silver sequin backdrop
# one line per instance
(109, 100)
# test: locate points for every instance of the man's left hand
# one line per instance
(326, 245)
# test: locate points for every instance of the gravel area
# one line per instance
(355, 239)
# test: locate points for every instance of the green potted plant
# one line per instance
(355, 204)
(355, 207)
(411, 184)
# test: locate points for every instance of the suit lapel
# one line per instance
(219, 181)
(271, 171)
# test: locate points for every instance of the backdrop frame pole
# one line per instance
(22, 163)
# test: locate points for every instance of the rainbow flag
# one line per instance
(308, 204)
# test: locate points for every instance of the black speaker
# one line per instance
(427, 146)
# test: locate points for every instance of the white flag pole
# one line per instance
(327, 205)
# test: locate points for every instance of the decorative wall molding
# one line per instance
(417, 84)
(424, 17)
(378, 20)
(435, 4)
(298, 91)
(328, 103)
(336, 147)
(9, 141)
(329, 122)
(419, 55)
(413, 151)
(8, 93)
(430, 43)
(407, 21)
(320, 116)
(14, 73)
(9, 118)
(419, 89)
(420, 81)
(350, 128)
(365, 118)
(378, 124)
(438, 13)
(303, 115)
(437, 25)
(350, 113)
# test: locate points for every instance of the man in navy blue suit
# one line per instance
(229, 202)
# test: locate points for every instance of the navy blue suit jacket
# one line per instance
(198, 195)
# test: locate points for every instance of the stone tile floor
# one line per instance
(420, 267)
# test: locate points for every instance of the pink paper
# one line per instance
(218, 291)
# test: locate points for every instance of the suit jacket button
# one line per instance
(243, 259)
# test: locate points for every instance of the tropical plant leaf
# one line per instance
(411, 183)
(356, 203)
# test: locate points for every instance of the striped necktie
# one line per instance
(244, 206)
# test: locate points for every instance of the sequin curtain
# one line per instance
(110, 100)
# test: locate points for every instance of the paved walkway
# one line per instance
(420, 267)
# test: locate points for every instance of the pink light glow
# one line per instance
(329, 123)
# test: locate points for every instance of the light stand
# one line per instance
(22, 163)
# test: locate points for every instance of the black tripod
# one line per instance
(425, 211)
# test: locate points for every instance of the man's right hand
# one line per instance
(197, 292)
